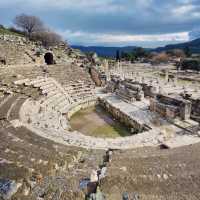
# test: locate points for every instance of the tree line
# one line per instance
(156, 57)
(34, 29)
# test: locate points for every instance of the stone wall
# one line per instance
(16, 50)
(79, 106)
(195, 111)
(171, 107)
(129, 91)
(95, 76)
(135, 126)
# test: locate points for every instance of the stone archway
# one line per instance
(48, 57)
(2, 61)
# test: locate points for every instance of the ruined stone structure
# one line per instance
(48, 57)
(129, 91)
(16, 50)
(136, 89)
(171, 107)
(95, 75)
(112, 85)
(48, 160)
(134, 124)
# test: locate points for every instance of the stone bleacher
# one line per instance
(64, 74)
(80, 90)
(54, 95)
(48, 112)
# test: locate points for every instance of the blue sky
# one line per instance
(147, 23)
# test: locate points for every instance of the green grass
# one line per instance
(113, 131)
(95, 121)
(8, 32)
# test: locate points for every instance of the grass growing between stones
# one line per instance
(95, 121)
(4, 31)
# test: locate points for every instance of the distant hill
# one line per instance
(104, 51)
(193, 45)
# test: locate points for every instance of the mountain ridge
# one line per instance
(104, 51)
(194, 47)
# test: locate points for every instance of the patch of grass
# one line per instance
(95, 121)
(111, 131)
(9, 32)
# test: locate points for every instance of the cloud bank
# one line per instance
(112, 22)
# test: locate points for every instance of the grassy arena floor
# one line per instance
(95, 121)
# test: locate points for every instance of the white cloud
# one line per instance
(83, 5)
(111, 21)
(183, 10)
(145, 38)
(119, 39)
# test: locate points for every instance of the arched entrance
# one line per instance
(2, 61)
(48, 57)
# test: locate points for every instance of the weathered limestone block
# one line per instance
(171, 107)
(185, 110)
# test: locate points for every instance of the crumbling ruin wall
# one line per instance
(195, 110)
(149, 90)
(135, 126)
(79, 106)
(14, 52)
(171, 107)
(95, 76)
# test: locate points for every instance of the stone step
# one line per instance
(50, 94)
(23, 81)
(83, 94)
(43, 83)
(59, 104)
(81, 90)
(58, 101)
(38, 81)
(47, 86)
(52, 99)
(62, 104)
(46, 91)
(65, 109)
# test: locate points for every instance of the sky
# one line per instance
(147, 23)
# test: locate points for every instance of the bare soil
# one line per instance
(95, 121)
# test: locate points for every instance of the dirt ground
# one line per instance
(95, 121)
(154, 174)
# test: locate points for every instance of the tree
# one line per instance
(192, 64)
(187, 51)
(140, 52)
(160, 58)
(29, 24)
(117, 56)
(176, 52)
(128, 56)
(47, 38)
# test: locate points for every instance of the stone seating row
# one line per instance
(56, 98)
(83, 95)
(55, 95)
(42, 117)
(3, 99)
